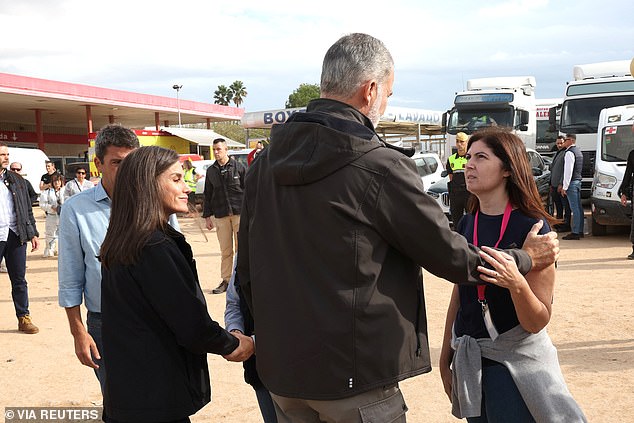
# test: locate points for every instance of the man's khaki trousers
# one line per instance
(227, 232)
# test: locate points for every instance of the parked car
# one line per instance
(429, 167)
(438, 191)
(541, 175)
(201, 169)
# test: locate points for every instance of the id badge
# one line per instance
(488, 322)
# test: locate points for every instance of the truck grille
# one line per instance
(444, 197)
(587, 171)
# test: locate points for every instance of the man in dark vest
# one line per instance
(571, 185)
(562, 208)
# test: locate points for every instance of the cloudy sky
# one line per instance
(273, 46)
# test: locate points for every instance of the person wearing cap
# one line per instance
(458, 194)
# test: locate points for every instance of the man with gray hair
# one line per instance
(334, 229)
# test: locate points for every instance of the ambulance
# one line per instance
(615, 140)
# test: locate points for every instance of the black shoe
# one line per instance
(221, 288)
(573, 236)
(631, 256)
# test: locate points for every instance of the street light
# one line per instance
(178, 102)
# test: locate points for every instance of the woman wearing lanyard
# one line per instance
(497, 361)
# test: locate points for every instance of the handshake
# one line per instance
(244, 350)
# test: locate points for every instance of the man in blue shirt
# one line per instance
(82, 228)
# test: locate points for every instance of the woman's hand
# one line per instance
(504, 272)
(531, 295)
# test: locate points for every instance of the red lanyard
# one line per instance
(505, 222)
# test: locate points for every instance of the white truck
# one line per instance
(594, 87)
(546, 137)
(33, 163)
(615, 140)
(502, 101)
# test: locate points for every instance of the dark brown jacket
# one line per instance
(17, 185)
(334, 228)
(223, 189)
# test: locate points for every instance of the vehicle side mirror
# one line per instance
(524, 119)
(523, 128)
(444, 173)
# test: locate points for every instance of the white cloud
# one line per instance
(147, 46)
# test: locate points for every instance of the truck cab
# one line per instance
(502, 101)
(547, 127)
(595, 86)
(615, 140)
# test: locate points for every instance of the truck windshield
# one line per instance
(616, 143)
(581, 116)
(545, 133)
(470, 120)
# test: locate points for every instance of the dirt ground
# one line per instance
(592, 327)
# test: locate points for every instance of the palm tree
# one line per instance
(239, 91)
(222, 95)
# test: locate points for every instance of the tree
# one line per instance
(238, 92)
(222, 95)
(302, 95)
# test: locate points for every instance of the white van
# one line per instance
(33, 163)
(615, 140)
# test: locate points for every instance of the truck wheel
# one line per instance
(597, 229)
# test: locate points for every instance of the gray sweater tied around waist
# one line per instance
(533, 364)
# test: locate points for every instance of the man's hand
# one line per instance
(543, 249)
(209, 223)
(244, 350)
(85, 349)
(623, 200)
(35, 242)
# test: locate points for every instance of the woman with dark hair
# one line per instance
(497, 361)
(78, 184)
(51, 200)
(156, 328)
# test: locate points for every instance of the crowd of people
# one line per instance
(336, 301)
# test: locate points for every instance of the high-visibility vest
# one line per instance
(188, 176)
(457, 163)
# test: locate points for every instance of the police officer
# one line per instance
(457, 185)
(190, 177)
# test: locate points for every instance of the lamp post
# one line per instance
(178, 102)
